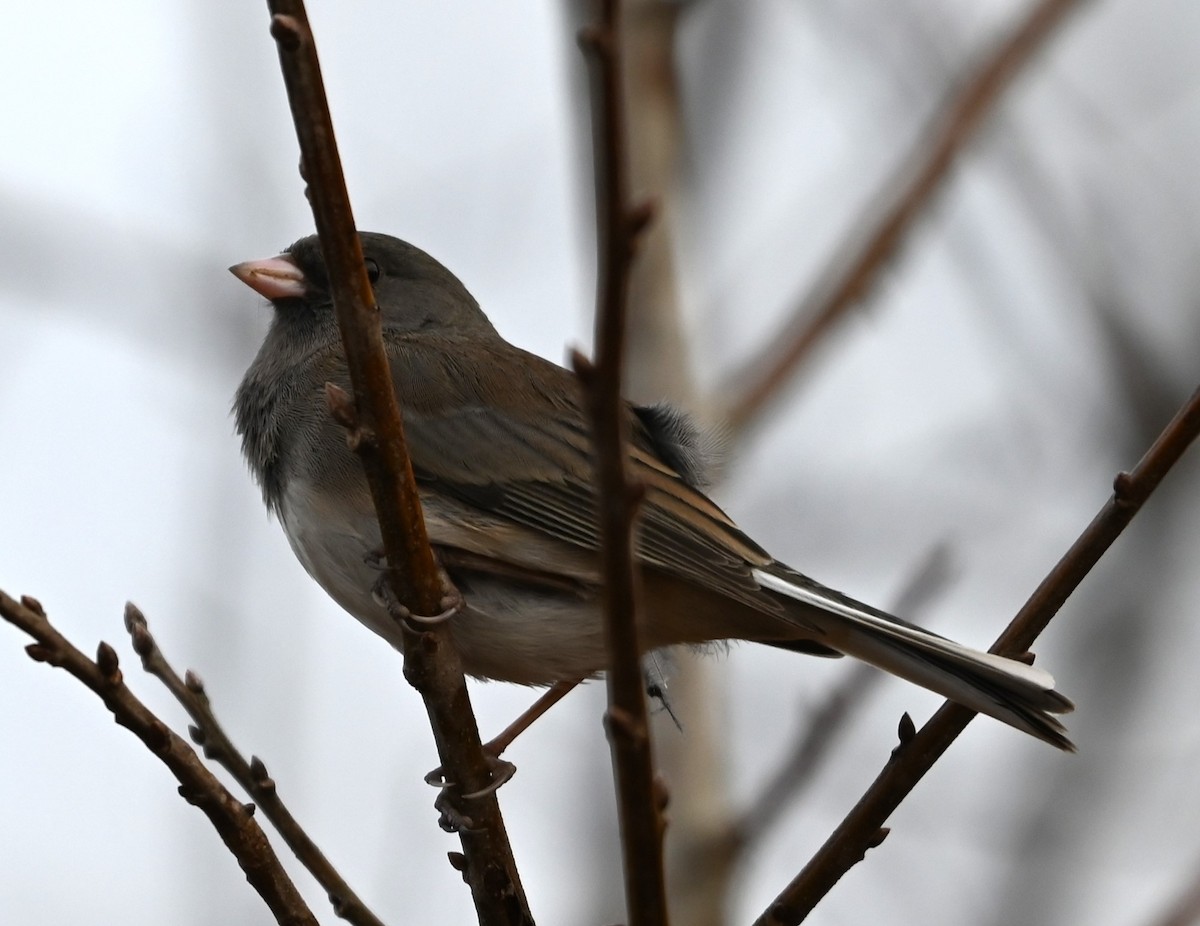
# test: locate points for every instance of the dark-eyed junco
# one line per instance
(502, 454)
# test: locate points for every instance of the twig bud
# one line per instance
(133, 617)
(285, 30)
(38, 652)
(107, 662)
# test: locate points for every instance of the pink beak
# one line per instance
(274, 278)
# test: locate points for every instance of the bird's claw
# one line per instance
(450, 819)
(501, 772)
(382, 595)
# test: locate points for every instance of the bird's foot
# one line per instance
(381, 593)
(451, 819)
(500, 771)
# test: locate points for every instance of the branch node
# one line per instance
(39, 652)
(33, 605)
(139, 631)
(583, 367)
(1124, 488)
(619, 722)
(197, 734)
(662, 794)
(287, 32)
(595, 40)
(193, 682)
(108, 663)
(258, 771)
(877, 839)
(640, 216)
(905, 730)
(341, 406)
(345, 413)
(458, 861)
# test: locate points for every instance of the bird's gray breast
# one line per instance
(336, 538)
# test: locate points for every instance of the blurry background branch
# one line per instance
(881, 233)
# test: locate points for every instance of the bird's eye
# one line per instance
(372, 270)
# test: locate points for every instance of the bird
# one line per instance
(503, 457)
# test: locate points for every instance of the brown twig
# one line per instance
(876, 239)
(640, 797)
(861, 828)
(251, 775)
(374, 427)
(233, 820)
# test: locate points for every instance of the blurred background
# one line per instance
(1034, 330)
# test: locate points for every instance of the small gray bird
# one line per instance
(502, 454)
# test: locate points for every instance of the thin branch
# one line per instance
(431, 663)
(233, 820)
(640, 797)
(251, 775)
(863, 826)
(877, 238)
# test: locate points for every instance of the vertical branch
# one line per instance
(640, 797)
(376, 433)
(658, 366)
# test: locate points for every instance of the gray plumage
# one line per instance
(502, 454)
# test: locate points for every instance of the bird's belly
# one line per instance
(334, 541)
(505, 632)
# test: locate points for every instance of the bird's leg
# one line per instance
(552, 695)
(502, 770)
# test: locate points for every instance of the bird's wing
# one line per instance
(504, 431)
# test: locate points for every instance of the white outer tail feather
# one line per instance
(1013, 692)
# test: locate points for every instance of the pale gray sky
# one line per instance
(147, 146)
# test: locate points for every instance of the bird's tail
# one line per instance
(1018, 694)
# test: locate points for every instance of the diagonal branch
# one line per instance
(877, 238)
(640, 796)
(374, 428)
(917, 752)
(233, 820)
(251, 775)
